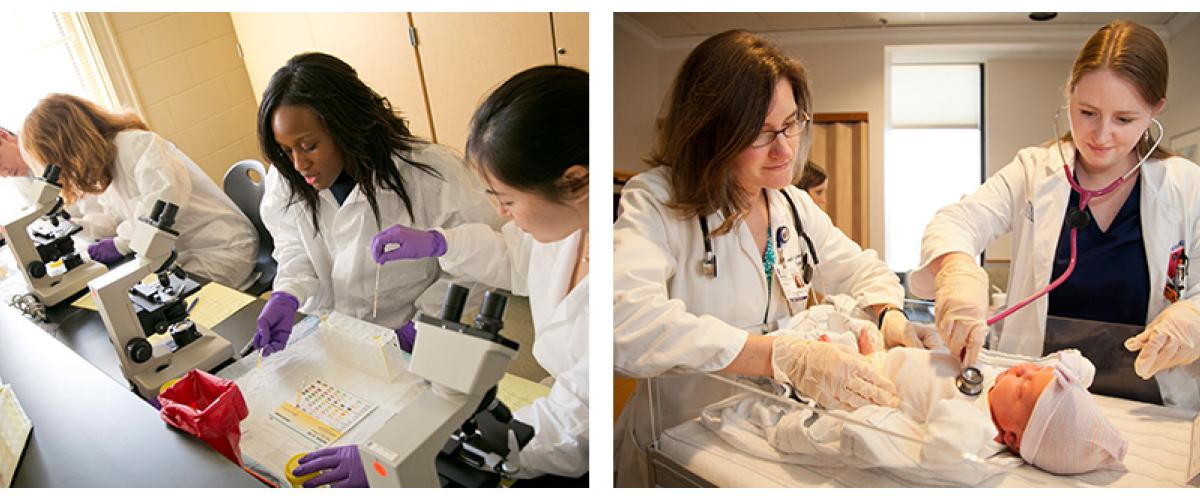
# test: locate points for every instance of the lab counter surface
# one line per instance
(90, 431)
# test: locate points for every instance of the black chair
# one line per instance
(247, 192)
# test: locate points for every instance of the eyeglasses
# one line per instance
(792, 129)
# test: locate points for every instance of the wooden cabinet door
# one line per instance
(571, 38)
(375, 44)
(466, 55)
(840, 146)
(267, 40)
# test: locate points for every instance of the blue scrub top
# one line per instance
(1110, 282)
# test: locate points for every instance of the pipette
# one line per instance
(375, 308)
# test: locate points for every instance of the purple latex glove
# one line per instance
(275, 323)
(411, 244)
(104, 251)
(339, 467)
(407, 335)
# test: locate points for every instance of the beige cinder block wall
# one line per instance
(191, 83)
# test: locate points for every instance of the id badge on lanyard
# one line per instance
(789, 270)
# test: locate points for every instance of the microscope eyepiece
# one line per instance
(167, 219)
(456, 300)
(491, 314)
(157, 210)
(51, 174)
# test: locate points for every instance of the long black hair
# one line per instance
(361, 122)
(532, 129)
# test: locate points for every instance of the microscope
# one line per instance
(147, 320)
(455, 432)
(41, 241)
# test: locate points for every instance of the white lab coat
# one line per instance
(14, 192)
(669, 316)
(1029, 197)
(334, 271)
(560, 324)
(216, 241)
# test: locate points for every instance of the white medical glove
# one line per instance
(832, 374)
(899, 331)
(960, 308)
(1172, 339)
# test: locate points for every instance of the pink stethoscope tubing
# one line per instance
(1085, 195)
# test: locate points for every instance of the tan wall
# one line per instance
(637, 96)
(191, 84)
(1183, 102)
(1037, 86)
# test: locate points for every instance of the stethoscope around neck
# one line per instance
(708, 264)
(1077, 217)
(970, 381)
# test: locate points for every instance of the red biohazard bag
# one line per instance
(208, 407)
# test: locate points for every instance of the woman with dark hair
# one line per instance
(1102, 219)
(814, 182)
(714, 246)
(529, 141)
(344, 163)
(113, 170)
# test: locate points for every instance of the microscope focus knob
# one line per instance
(37, 269)
(139, 350)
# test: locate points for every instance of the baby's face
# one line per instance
(1012, 400)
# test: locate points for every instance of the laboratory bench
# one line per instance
(89, 428)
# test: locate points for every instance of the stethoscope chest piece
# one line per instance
(970, 382)
(1077, 218)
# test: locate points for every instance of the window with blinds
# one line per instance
(47, 52)
(932, 152)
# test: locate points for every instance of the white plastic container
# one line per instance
(14, 432)
(362, 345)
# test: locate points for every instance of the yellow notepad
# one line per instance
(217, 303)
(517, 392)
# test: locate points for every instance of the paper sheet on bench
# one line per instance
(266, 445)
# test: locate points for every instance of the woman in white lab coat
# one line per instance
(121, 168)
(11, 164)
(15, 177)
(529, 141)
(714, 246)
(1132, 245)
(344, 164)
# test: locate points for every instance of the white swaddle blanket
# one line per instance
(839, 319)
(946, 429)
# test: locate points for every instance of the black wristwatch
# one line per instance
(889, 307)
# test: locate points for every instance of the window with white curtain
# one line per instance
(933, 150)
(47, 52)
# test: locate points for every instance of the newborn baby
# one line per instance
(1042, 412)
